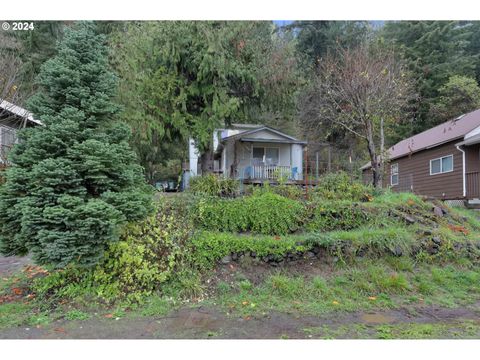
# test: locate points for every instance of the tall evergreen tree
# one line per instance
(435, 51)
(185, 79)
(73, 180)
(315, 39)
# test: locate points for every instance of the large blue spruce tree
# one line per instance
(74, 181)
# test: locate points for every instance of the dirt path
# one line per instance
(12, 264)
(208, 322)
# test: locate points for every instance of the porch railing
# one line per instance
(472, 184)
(267, 172)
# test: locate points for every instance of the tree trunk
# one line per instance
(373, 156)
(381, 158)
(206, 161)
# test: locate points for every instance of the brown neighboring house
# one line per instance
(442, 162)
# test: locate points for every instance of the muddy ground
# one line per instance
(208, 322)
(204, 322)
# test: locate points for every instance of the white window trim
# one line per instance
(391, 174)
(441, 165)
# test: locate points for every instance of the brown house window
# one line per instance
(441, 165)
(394, 174)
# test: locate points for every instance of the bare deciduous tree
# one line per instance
(364, 90)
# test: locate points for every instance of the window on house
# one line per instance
(394, 174)
(7, 136)
(271, 156)
(258, 153)
(441, 165)
(265, 156)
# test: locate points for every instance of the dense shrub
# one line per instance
(131, 268)
(209, 247)
(264, 213)
(340, 186)
(143, 260)
(214, 185)
(364, 241)
(290, 191)
(341, 215)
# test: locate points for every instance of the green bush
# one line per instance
(213, 185)
(342, 215)
(264, 213)
(143, 260)
(364, 241)
(340, 186)
(131, 268)
(291, 191)
(209, 247)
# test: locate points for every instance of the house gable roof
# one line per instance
(18, 111)
(455, 129)
(244, 135)
(440, 134)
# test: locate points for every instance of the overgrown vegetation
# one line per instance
(74, 181)
(209, 247)
(262, 213)
(366, 285)
(212, 185)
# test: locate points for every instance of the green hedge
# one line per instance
(370, 241)
(341, 186)
(328, 216)
(214, 185)
(209, 246)
(265, 213)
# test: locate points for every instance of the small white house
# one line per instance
(12, 118)
(253, 153)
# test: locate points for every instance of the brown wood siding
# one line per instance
(472, 162)
(472, 166)
(414, 172)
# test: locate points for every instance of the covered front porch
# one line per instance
(269, 172)
(259, 161)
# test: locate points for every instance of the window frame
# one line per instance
(441, 165)
(396, 173)
(265, 147)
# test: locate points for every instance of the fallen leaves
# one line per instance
(108, 316)
(372, 298)
(33, 271)
(17, 291)
(458, 228)
(335, 302)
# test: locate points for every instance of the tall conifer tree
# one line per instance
(75, 180)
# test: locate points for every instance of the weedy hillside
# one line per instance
(345, 247)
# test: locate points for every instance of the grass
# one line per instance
(14, 314)
(76, 315)
(462, 329)
(364, 286)
(374, 241)
(157, 306)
